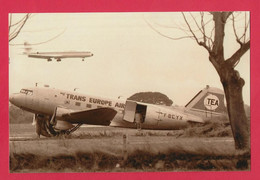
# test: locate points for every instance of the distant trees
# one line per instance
(152, 98)
(19, 116)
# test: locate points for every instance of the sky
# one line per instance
(129, 55)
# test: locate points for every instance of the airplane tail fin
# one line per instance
(208, 102)
(27, 48)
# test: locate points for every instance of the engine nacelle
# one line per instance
(63, 125)
(57, 119)
(60, 111)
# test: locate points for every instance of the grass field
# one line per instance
(104, 149)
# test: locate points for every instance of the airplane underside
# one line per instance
(46, 127)
(118, 122)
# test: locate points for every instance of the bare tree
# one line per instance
(16, 27)
(211, 37)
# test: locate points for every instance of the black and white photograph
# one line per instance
(129, 92)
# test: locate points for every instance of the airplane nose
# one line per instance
(15, 99)
(11, 98)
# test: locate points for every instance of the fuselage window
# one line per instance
(88, 105)
(77, 103)
(26, 91)
(62, 93)
(23, 91)
(99, 106)
(30, 92)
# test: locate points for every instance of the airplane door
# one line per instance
(129, 114)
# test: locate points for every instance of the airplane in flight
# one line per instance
(49, 56)
(59, 111)
(60, 55)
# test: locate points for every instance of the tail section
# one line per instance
(208, 102)
(27, 48)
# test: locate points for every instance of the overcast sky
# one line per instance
(129, 56)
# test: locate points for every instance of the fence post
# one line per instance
(124, 150)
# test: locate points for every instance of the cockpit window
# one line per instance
(26, 91)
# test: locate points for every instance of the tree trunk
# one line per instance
(233, 84)
(231, 81)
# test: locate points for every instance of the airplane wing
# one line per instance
(99, 116)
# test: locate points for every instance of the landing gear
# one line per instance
(45, 128)
(41, 126)
(73, 129)
(65, 132)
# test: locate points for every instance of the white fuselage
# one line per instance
(45, 100)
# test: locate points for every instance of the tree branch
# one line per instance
(38, 43)
(10, 22)
(21, 20)
(234, 59)
(203, 26)
(173, 27)
(218, 45)
(246, 27)
(183, 37)
(15, 33)
(195, 37)
(200, 29)
(235, 32)
(226, 15)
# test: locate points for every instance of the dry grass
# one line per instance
(197, 148)
(216, 127)
(136, 161)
